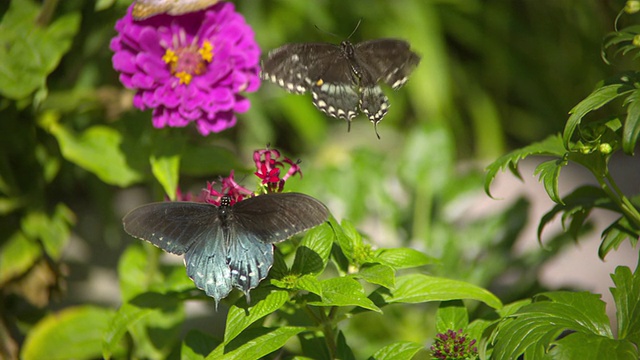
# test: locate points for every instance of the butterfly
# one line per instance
(143, 9)
(226, 246)
(343, 79)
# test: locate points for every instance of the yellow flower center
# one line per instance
(188, 61)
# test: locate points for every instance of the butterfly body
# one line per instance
(143, 9)
(226, 246)
(343, 80)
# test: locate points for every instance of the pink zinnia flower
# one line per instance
(189, 68)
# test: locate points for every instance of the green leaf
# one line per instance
(626, 295)
(73, 333)
(53, 231)
(140, 307)
(417, 288)
(594, 101)
(239, 318)
(347, 237)
(309, 283)
(535, 326)
(343, 351)
(581, 346)
(377, 274)
(402, 258)
(344, 291)
(549, 172)
(96, 150)
(402, 350)
(29, 51)
(313, 252)
(615, 234)
(551, 146)
(197, 345)
(256, 343)
(451, 315)
(17, 255)
(166, 171)
(205, 160)
(631, 129)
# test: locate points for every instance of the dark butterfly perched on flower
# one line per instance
(143, 9)
(343, 80)
(230, 245)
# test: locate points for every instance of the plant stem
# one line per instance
(623, 202)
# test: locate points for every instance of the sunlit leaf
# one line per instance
(627, 298)
(344, 291)
(256, 343)
(313, 252)
(402, 350)
(239, 318)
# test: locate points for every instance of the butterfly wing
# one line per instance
(388, 60)
(275, 217)
(143, 9)
(172, 226)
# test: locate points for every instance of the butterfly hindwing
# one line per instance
(207, 263)
(387, 60)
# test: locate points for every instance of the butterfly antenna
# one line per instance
(326, 32)
(356, 29)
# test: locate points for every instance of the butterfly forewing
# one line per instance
(276, 217)
(172, 226)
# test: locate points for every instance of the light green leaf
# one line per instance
(73, 333)
(17, 255)
(309, 283)
(313, 252)
(30, 52)
(551, 146)
(96, 150)
(256, 343)
(197, 345)
(344, 291)
(239, 318)
(451, 315)
(549, 172)
(377, 274)
(402, 350)
(581, 346)
(53, 231)
(631, 130)
(403, 258)
(417, 288)
(166, 171)
(594, 101)
(627, 298)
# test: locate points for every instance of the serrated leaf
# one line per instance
(29, 51)
(96, 150)
(402, 350)
(344, 291)
(239, 318)
(594, 101)
(631, 129)
(166, 170)
(551, 146)
(197, 345)
(451, 315)
(402, 258)
(313, 252)
(535, 326)
(377, 274)
(626, 295)
(417, 288)
(549, 172)
(592, 347)
(256, 343)
(73, 333)
(616, 233)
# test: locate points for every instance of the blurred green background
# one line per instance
(494, 75)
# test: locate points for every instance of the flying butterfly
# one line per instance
(343, 80)
(143, 9)
(226, 246)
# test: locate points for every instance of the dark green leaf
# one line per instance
(239, 318)
(417, 288)
(619, 231)
(549, 172)
(343, 351)
(631, 129)
(550, 146)
(197, 345)
(402, 350)
(344, 291)
(74, 333)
